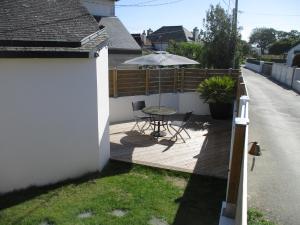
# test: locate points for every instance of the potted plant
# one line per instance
(218, 92)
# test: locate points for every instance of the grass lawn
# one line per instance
(144, 195)
(256, 217)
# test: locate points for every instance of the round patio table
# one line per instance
(160, 111)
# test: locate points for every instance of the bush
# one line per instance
(256, 217)
(217, 89)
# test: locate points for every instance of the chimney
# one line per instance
(149, 32)
(196, 34)
(144, 37)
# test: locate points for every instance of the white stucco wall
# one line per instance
(48, 116)
(296, 81)
(121, 109)
(100, 7)
(190, 101)
(255, 67)
(283, 73)
(103, 107)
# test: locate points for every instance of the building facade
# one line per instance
(121, 45)
(53, 93)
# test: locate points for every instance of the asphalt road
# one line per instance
(274, 185)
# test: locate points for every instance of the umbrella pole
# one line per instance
(159, 90)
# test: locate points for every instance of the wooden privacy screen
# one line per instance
(146, 81)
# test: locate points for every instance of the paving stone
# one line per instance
(86, 214)
(156, 221)
(119, 212)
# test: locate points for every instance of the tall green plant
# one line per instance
(218, 38)
(217, 89)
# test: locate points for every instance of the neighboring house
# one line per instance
(256, 50)
(121, 45)
(161, 37)
(53, 93)
(293, 57)
(139, 39)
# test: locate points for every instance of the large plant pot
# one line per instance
(221, 110)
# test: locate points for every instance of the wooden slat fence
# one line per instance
(146, 81)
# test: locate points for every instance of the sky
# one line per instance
(279, 14)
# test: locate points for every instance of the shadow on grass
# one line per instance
(202, 199)
(18, 197)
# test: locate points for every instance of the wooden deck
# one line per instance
(206, 153)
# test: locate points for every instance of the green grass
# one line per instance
(143, 192)
(255, 217)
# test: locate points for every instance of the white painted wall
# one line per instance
(100, 7)
(103, 107)
(48, 116)
(283, 73)
(121, 109)
(255, 67)
(296, 80)
(190, 101)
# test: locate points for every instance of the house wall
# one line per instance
(100, 7)
(296, 80)
(160, 46)
(103, 108)
(121, 109)
(48, 116)
(290, 56)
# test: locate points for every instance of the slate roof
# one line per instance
(119, 38)
(47, 27)
(167, 33)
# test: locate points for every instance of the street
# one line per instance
(274, 185)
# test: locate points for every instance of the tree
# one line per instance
(244, 48)
(190, 50)
(218, 38)
(294, 34)
(263, 37)
(280, 47)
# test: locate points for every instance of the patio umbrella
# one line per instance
(160, 59)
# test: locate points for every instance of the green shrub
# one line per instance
(256, 217)
(217, 89)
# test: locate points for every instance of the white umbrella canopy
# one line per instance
(161, 59)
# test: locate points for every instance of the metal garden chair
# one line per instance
(181, 126)
(139, 116)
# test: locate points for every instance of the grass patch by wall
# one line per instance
(256, 217)
(138, 194)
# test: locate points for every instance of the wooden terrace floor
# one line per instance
(206, 153)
